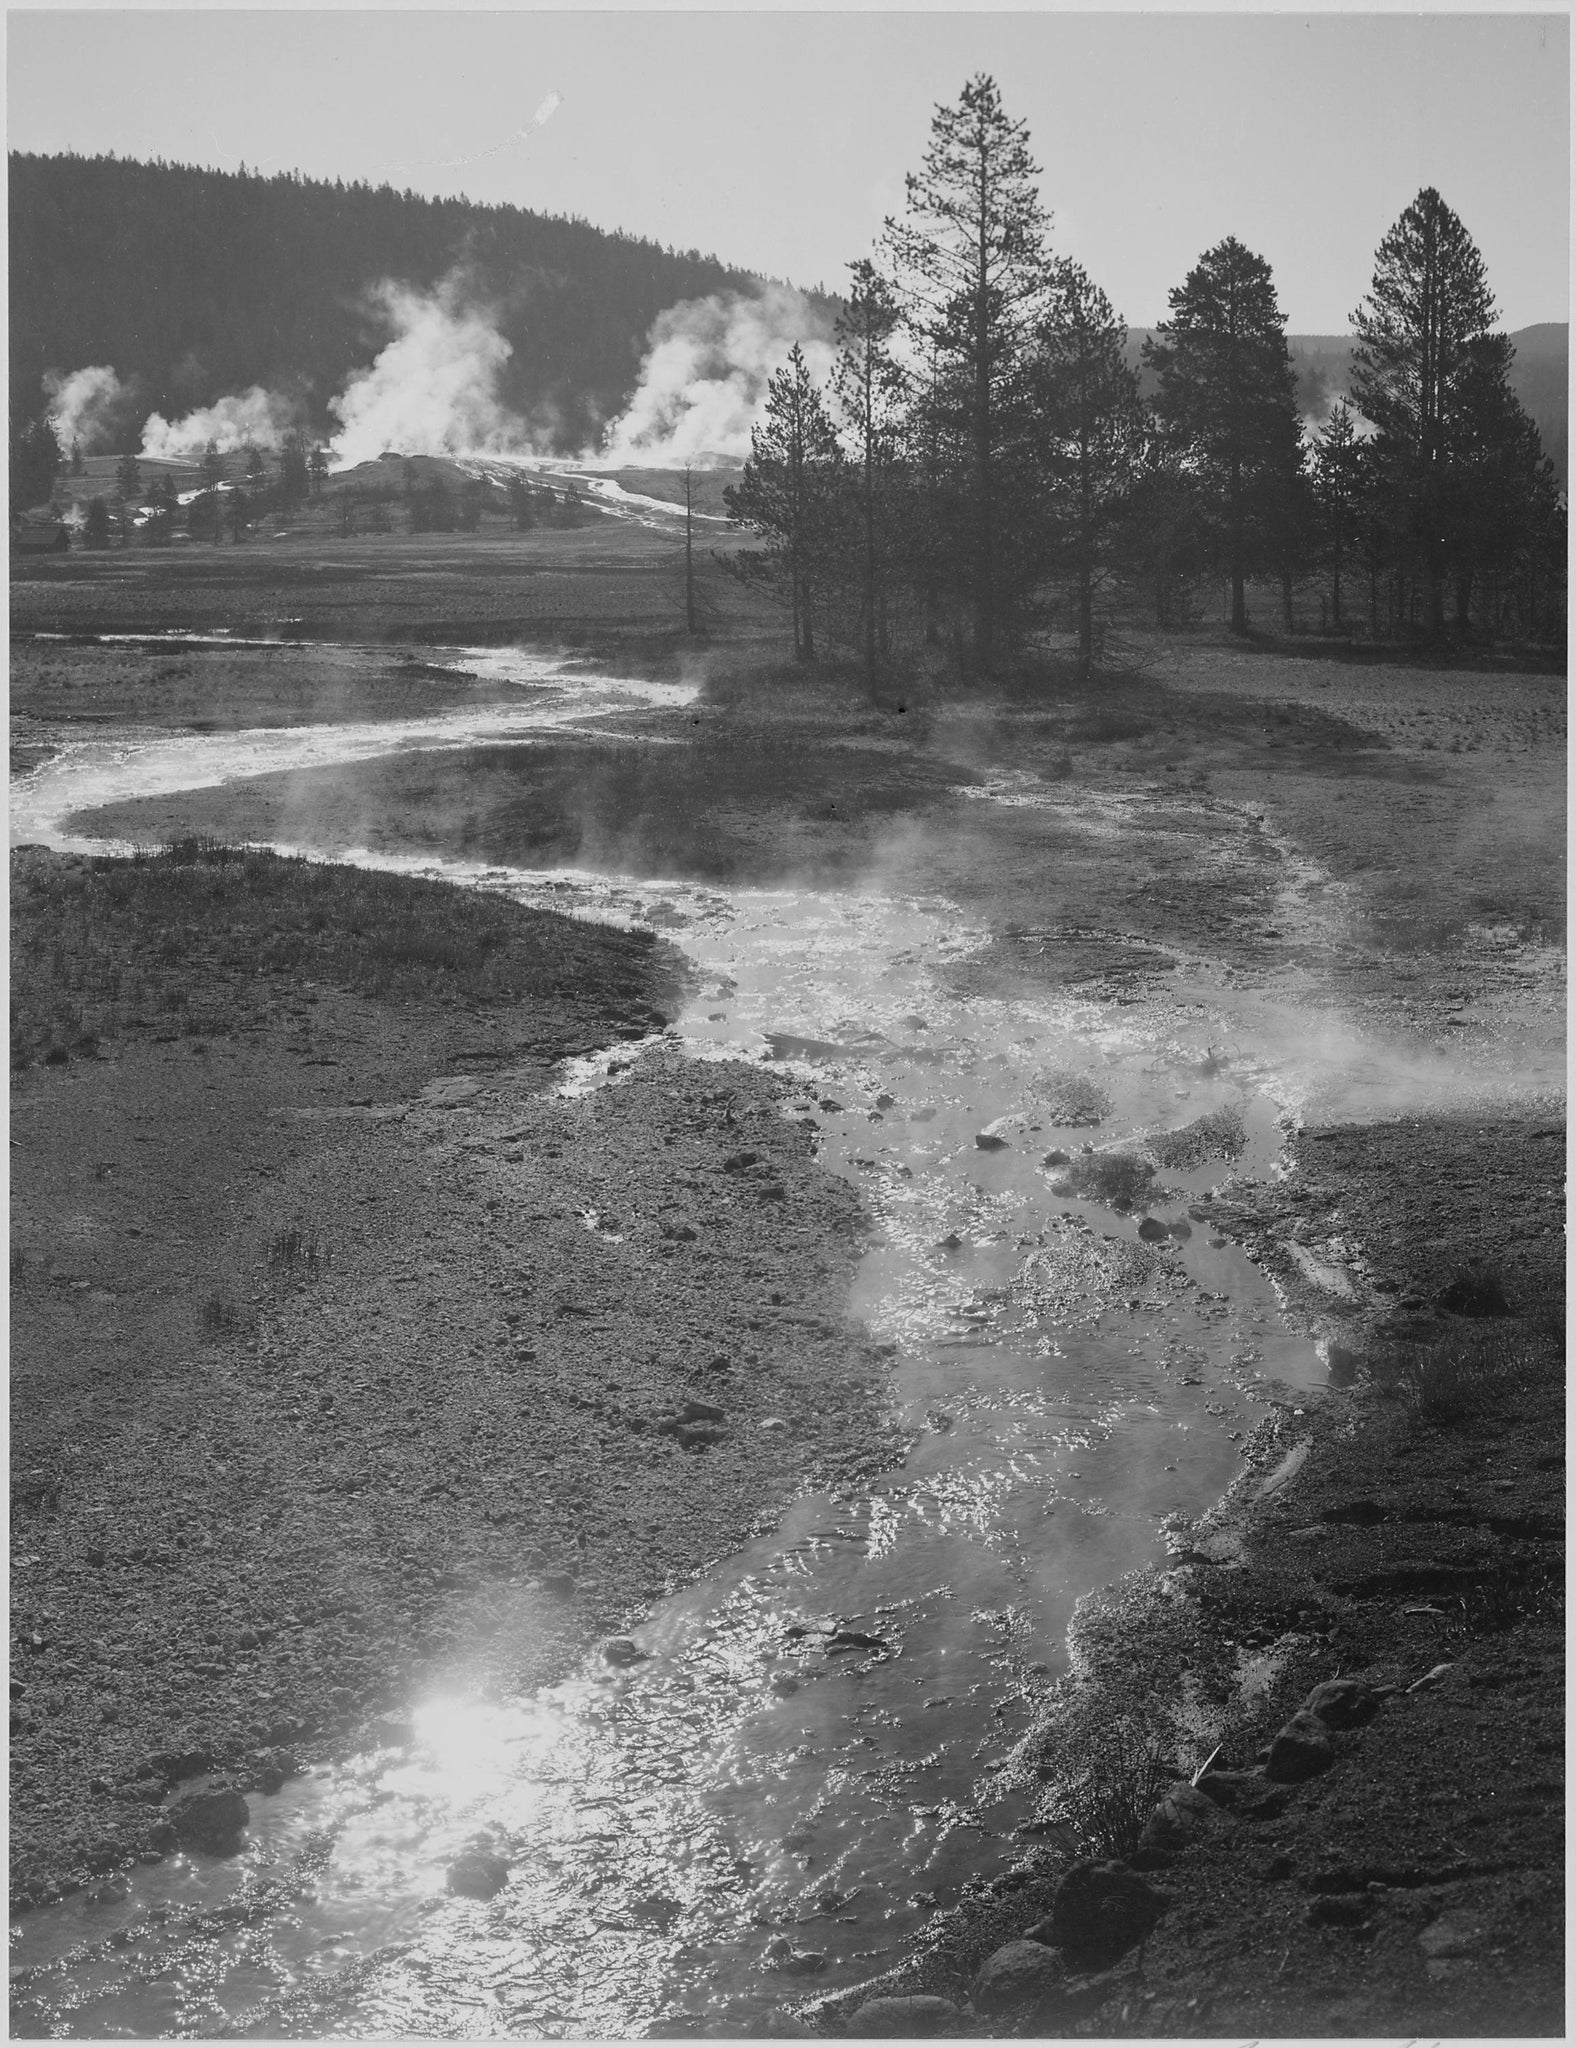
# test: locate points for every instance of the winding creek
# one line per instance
(813, 1757)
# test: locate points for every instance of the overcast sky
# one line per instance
(779, 140)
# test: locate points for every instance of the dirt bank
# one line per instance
(1405, 1533)
(346, 1360)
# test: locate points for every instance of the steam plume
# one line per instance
(434, 389)
(84, 404)
(704, 377)
(255, 418)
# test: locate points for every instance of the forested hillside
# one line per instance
(196, 283)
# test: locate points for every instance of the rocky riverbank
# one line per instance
(1308, 1779)
(348, 1358)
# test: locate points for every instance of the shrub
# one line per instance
(1471, 1372)
(1475, 1290)
(219, 1317)
(1220, 1135)
(1071, 1099)
(1112, 1790)
(1108, 1177)
(295, 1252)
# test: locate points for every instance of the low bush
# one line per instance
(1471, 1372)
(1070, 1099)
(1111, 1791)
(297, 1253)
(1220, 1135)
(1108, 1177)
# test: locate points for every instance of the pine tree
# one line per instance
(1338, 485)
(35, 462)
(293, 483)
(128, 479)
(1228, 398)
(522, 504)
(869, 385)
(95, 532)
(212, 467)
(969, 259)
(1092, 436)
(792, 491)
(1432, 379)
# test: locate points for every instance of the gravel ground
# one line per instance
(345, 1359)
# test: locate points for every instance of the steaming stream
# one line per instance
(759, 1780)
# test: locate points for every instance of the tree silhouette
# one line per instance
(1228, 399)
(791, 490)
(969, 256)
(1092, 428)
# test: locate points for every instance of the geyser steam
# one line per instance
(434, 389)
(707, 365)
(84, 405)
(252, 419)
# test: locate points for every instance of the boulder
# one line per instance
(1101, 1910)
(1229, 1788)
(1152, 1231)
(1021, 1973)
(903, 2019)
(1184, 1812)
(1342, 1703)
(1301, 1750)
(990, 1141)
(622, 1650)
(212, 1822)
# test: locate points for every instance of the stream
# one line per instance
(811, 1761)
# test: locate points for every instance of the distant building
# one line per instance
(39, 533)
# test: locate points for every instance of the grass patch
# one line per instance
(296, 1253)
(1220, 1135)
(219, 1318)
(1070, 1099)
(1477, 1289)
(195, 939)
(1472, 1372)
(1110, 1177)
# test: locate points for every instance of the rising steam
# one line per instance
(704, 377)
(434, 389)
(253, 419)
(85, 406)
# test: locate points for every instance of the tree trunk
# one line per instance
(1235, 543)
(985, 566)
(1286, 601)
(872, 669)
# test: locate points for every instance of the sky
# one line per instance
(779, 140)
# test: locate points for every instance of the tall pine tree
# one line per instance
(1092, 429)
(793, 492)
(1431, 376)
(869, 385)
(970, 262)
(1228, 399)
